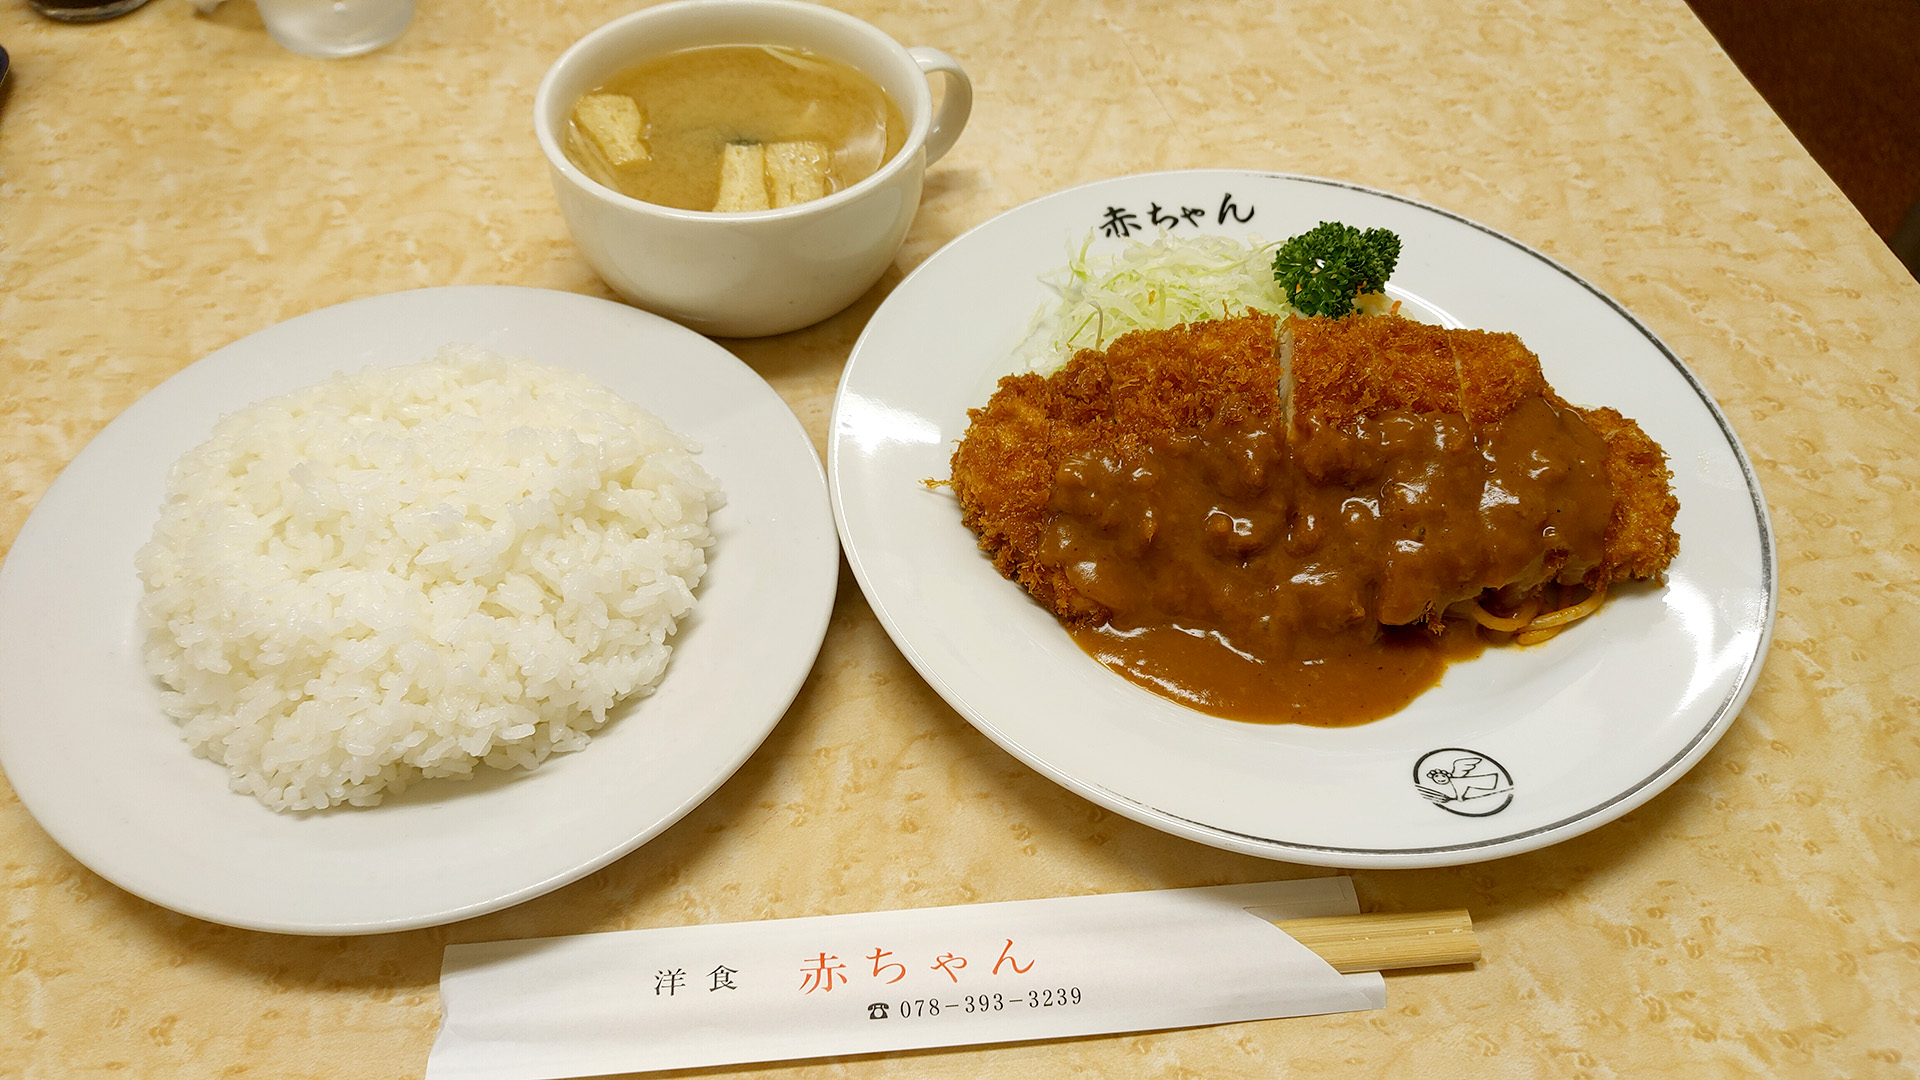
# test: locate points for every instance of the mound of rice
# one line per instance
(405, 572)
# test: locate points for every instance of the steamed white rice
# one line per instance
(405, 572)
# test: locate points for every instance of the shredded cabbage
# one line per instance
(1149, 286)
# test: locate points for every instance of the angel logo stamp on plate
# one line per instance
(1464, 782)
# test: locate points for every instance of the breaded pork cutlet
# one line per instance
(1313, 374)
(1222, 371)
(1641, 542)
(1339, 370)
(1343, 369)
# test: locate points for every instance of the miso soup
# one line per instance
(734, 127)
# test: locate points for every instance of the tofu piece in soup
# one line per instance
(796, 171)
(743, 178)
(616, 126)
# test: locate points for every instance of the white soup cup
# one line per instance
(757, 272)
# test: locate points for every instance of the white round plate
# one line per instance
(85, 744)
(1515, 750)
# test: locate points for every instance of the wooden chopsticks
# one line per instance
(1385, 941)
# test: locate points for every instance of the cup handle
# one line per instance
(954, 109)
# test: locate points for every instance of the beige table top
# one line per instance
(171, 181)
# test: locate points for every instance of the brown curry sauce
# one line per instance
(1271, 523)
(1258, 578)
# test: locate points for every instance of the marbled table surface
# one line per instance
(172, 181)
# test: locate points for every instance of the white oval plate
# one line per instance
(106, 773)
(1515, 750)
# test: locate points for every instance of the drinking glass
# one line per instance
(335, 28)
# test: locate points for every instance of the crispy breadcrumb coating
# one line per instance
(1248, 373)
(1152, 381)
